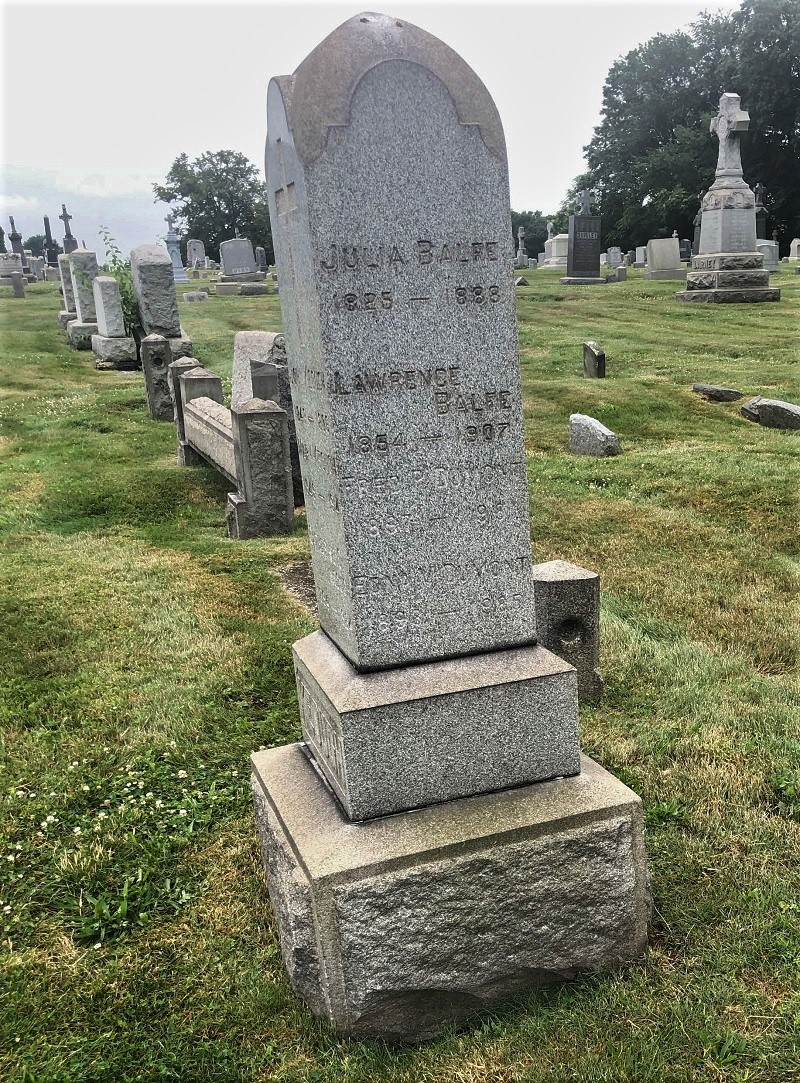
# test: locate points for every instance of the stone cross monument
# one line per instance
(70, 242)
(2, 240)
(759, 191)
(522, 254)
(16, 246)
(50, 247)
(414, 821)
(173, 243)
(727, 267)
(583, 251)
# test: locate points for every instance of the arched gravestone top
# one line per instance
(324, 84)
(388, 189)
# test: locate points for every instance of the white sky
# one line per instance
(100, 98)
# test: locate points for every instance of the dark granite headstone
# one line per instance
(583, 254)
(594, 361)
(685, 249)
(70, 242)
(50, 246)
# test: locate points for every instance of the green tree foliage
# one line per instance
(215, 194)
(35, 244)
(120, 269)
(535, 225)
(652, 155)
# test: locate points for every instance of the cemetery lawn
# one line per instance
(144, 656)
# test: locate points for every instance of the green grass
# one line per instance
(144, 655)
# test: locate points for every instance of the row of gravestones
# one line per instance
(238, 260)
(20, 266)
(253, 443)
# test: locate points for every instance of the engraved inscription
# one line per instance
(353, 257)
(322, 730)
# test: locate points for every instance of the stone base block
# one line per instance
(228, 289)
(728, 261)
(181, 347)
(669, 274)
(253, 289)
(400, 927)
(728, 296)
(712, 280)
(252, 276)
(581, 281)
(66, 317)
(403, 738)
(80, 334)
(118, 353)
(187, 456)
(51, 274)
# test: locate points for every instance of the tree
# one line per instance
(35, 244)
(216, 194)
(652, 156)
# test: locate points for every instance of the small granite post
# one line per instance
(728, 267)
(263, 504)
(156, 360)
(568, 620)
(188, 384)
(425, 689)
(18, 284)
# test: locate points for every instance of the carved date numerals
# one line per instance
(477, 295)
(381, 442)
(486, 433)
(364, 302)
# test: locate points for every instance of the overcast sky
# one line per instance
(100, 98)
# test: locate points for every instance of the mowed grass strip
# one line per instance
(145, 655)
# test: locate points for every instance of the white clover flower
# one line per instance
(181, 812)
(159, 804)
(85, 788)
(181, 774)
(235, 774)
(50, 819)
(76, 831)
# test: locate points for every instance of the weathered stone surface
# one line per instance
(264, 503)
(712, 280)
(615, 257)
(156, 358)
(228, 289)
(401, 926)
(386, 741)
(556, 250)
(65, 318)
(717, 394)
(237, 257)
(10, 263)
(521, 281)
(620, 275)
(588, 436)
(749, 409)
(195, 295)
(17, 284)
(776, 414)
(66, 283)
(80, 334)
(260, 371)
(108, 305)
(195, 250)
(154, 287)
(729, 296)
(568, 620)
(83, 270)
(209, 431)
(119, 352)
(181, 346)
(253, 289)
(594, 361)
(401, 335)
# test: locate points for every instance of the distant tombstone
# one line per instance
(641, 256)
(522, 255)
(195, 250)
(759, 192)
(541, 258)
(630, 257)
(594, 361)
(70, 242)
(66, 286)
(10, 263)
(728, 225)
(261, 258)
(18, 283)
(15, 237)
(794, 250)
(50, 246)
(83, 270)
(2, 241)
(556, 250)
(615, 257)
(583, 246)
(685, 250)
(603, 259)
(664, 260)
(418, 688)
(532, 263)
(173, 243)
(237, 258)
(769, 251)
